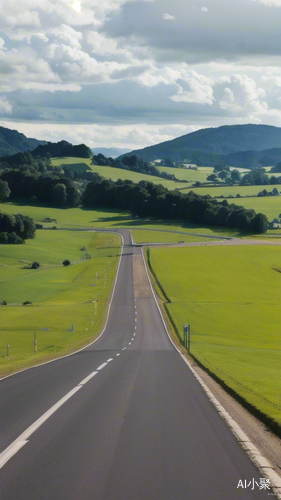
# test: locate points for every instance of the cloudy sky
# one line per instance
(131, 73)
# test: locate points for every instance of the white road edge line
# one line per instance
(23, 438)
(108, 311)
(118, 354)
(110, 359)
(254, 454)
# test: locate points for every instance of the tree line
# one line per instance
(53, 188)
(147, 199)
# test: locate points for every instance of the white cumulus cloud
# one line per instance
(169, 17)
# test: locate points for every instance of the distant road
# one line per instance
(135, 424)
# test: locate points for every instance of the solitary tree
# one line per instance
(235, 175)
(59, 195)
(212, 178)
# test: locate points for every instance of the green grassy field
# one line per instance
(143, 236)
(87, 218)
(60, 296)
(187, 174)
(118, 173)
(270, 206)
(225, 190)
(231, 298)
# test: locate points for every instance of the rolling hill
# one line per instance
(210, 145)
(12, 141)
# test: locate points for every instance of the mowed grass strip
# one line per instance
(60, 296)
(106, 218)
(231, 298)
(143, 236)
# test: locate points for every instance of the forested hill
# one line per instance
(11, 142)
(211, 144)
(49, 149)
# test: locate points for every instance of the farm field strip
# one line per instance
(60, 296)
(106, 218)
(231, 298)
(150, 236)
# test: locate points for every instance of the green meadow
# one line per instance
(231, 298)
(116, 173)
(270, 206)
(145, 236)
(105, 218)
(60, 296)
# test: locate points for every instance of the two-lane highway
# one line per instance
(131, 423)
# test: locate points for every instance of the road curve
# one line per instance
(136, 425)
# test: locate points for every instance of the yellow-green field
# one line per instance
(231, 298)
(99, 218)
(60, 296)
(143, 236)
(118, 173)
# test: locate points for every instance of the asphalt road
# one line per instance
(139, 428)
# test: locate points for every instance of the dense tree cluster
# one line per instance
(146, 199)
(47, 187)
(259, 177)
(63, 148)
(264, 192)
(16, 228)
(26, 161)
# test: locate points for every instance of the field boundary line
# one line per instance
(85, 347)
(253, 453)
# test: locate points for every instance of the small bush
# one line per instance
(66, 262)
(14, 238)
(26, 303)
(35, 265)
(4, 303)
(3, 237)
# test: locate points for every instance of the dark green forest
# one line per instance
(11, 142)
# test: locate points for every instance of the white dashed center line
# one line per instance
(101, 366)
(88, 378)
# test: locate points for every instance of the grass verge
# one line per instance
(230, 297)
(61, 296)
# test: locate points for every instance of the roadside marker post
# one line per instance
(8, 349)
(186, 337)
(35, 342)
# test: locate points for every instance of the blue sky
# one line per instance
(134, 73)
